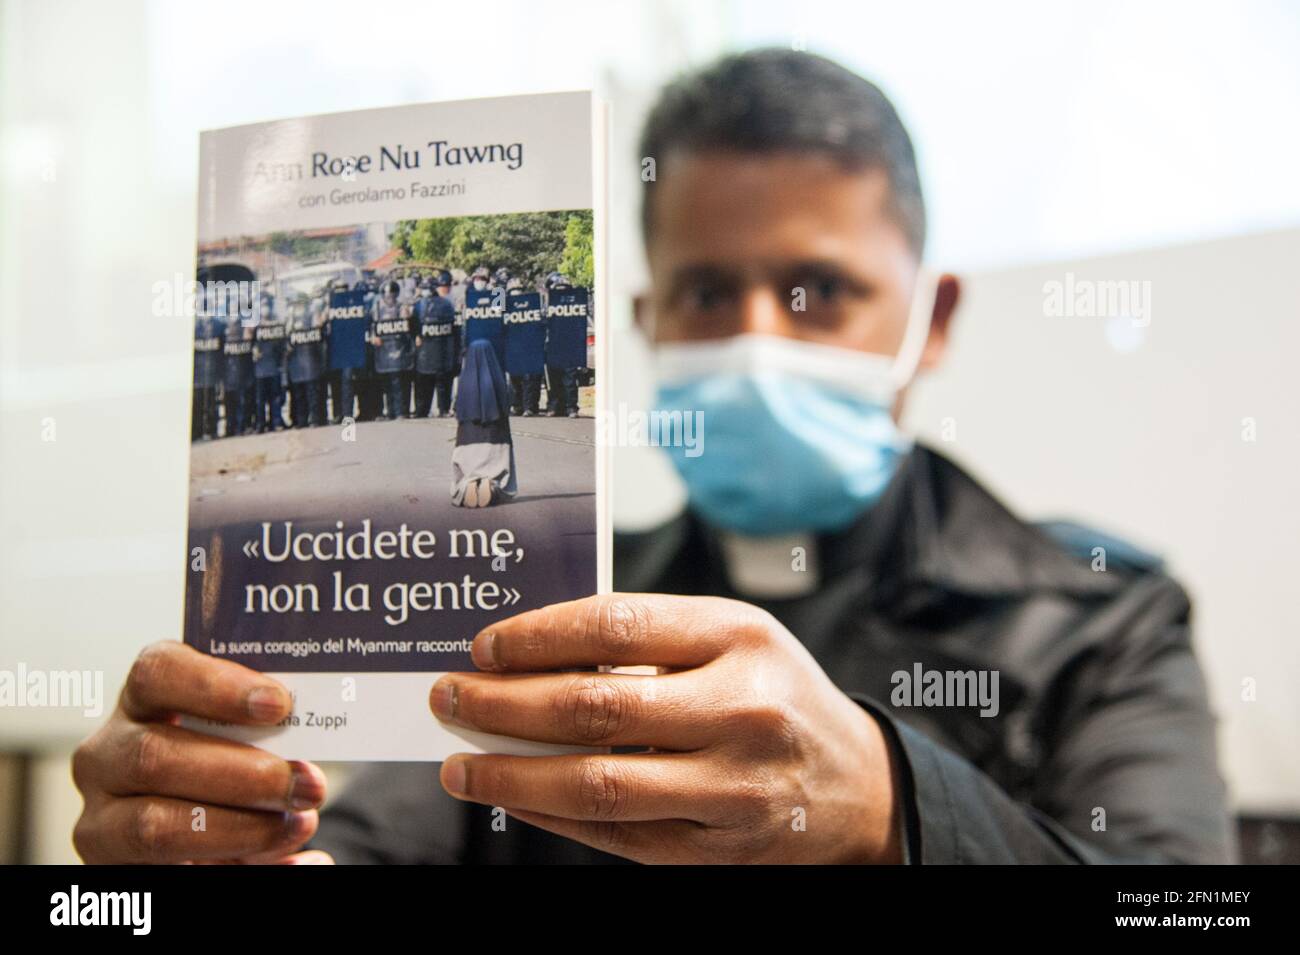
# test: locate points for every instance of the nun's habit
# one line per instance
(483, 464)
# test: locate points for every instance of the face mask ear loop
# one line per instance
(919, 317)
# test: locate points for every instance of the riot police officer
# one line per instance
(481, 279)
(390, 333)
(209, 340)
(344, 349)
(370, 402)
(269, 344)
(525, 341)
(437, 348)
(237, 375)
(305, 363)
(566, 344)
(443, 285)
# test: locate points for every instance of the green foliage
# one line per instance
(578, 261)
(426, 240)
(529, 244)
(305, 248)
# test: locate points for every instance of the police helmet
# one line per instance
(444, 277)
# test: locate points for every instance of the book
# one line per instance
(398, 341)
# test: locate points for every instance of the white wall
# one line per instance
(1140, 432)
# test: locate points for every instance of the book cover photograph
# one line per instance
(397, 345)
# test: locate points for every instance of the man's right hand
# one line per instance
(142, 775)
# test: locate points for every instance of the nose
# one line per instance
(762, 312)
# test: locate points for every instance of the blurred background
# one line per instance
(1156, 143)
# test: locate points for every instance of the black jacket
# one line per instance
(1102, 720)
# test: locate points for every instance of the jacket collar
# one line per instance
(937, 526)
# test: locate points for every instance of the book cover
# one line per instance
(397, 340)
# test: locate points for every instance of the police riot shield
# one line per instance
(566, 319)
(306, 347)
(209, 339)
(347, 329)
(525, 333)
(484, 319)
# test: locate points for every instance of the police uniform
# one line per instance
(437, 354)
(305, 364)
(237, 376)
(331, 377)
(270, 340)
(209, 341)
(390, 332)
(525, 334)
(370, 402)
(561, 373)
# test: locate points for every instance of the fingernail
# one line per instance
(444, 698)
(299, 825)
(453, 777)
(483, 651)
(267, 703)
(308, 789)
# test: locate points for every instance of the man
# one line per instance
(482, 316)
(777, 728)
(479, 280)
(346, 331)
(305, 363)
(268, 367)
(238, 379)
(390, 333)
(437, 347)
(370, 400)
(525, 336)
(567, 318)
(209, 342)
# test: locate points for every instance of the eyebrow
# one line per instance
(718, 272)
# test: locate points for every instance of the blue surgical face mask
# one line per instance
(795, 436)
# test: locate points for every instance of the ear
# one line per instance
(946, 296)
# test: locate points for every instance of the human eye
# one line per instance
(824, 295)
(705, 294)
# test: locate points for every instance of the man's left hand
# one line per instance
(753, 753)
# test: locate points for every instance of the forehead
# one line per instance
(745, 207)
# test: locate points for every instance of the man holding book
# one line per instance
(826, 562)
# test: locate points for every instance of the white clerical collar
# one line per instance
(774, 568)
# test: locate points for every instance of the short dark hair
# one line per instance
(778, 100)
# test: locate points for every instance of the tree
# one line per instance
(426, 240)
(578, 261)
(529, 244)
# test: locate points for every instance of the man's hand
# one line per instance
(755, 756)
(143, 776)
